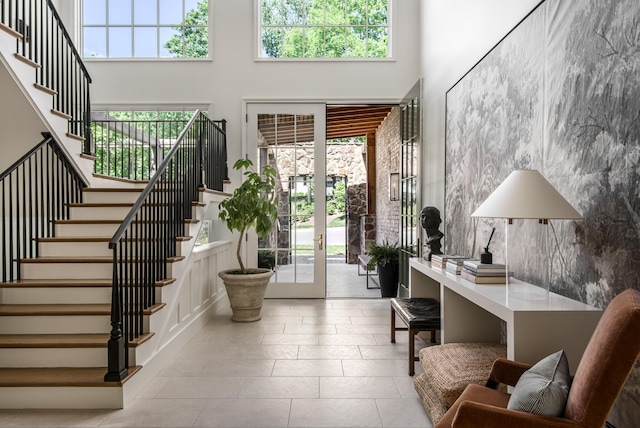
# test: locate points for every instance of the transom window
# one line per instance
(324, 29)
(145, 28)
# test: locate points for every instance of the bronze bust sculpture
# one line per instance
(430, 221)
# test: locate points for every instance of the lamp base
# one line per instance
(486, 258)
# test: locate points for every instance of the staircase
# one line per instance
(59, 326)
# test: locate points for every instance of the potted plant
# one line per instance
(386, 257)
(253, 204)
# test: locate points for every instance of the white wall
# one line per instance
(232, 75)
(455, 35)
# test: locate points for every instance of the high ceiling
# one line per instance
(343, 121)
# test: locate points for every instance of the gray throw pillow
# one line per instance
(544, 388)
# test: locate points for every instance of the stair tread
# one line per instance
(98, 239)
(59, 376)
(65, 309)
(54, 283)
(94, 340)
(83, 259)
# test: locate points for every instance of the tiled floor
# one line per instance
(307, 363)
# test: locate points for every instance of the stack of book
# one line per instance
(483, 273)
(439, 261)
(455, 265)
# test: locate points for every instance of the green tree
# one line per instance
(192, 36)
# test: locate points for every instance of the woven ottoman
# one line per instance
(449, 368)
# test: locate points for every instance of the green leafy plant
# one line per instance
(382, 254)
(253, 204)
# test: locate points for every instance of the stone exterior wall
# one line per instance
(344, 160)
(387, 162)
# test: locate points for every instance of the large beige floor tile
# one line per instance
(201, 387)
(308, 368)
(329, 352)
(358, 387)
(245, 413)
(280, 387)
(334, 413)
(403, 413)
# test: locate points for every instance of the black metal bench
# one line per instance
(418, 314)
(363, 260)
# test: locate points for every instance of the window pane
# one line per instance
(296, 12)
(190, 5)
(95, 42)
(314, 43)
(145, 42)
(196, 42)
(170, 43)
(356, 45)
(272, 12)
(120, 42)
(145, 12)
(293, 47)
(356, 12)
(378, 42)
(119, 12)
(272, 42)
(378, 12)
(95, 13)
(335, 13)
(335, 42)
(170, 12)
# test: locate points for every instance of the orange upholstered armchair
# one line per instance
(601, 374)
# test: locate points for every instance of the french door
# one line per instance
(410, 161)
(291, 138)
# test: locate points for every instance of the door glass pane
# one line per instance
(409, 198)
(285, 142)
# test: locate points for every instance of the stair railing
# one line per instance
(36, 190)
(148, 237)
(44, 41)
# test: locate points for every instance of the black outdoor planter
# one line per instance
(388, 276)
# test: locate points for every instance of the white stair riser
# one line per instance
(101, 230)
(72, 270)
(102, 213)
(60, 295)
(73, 229)
(66, 270)
(110, 197)
(55, 324)
(62, 398)
(55, 295)
(53, 357)
(75, 249)
(89, 249)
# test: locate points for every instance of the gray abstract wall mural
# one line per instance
(560, 94)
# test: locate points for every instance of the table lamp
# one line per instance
(526, 194)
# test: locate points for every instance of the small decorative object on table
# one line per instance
(430, 221)
(486, 256)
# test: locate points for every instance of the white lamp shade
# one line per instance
(526, 194)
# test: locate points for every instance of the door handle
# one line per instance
(319, 241)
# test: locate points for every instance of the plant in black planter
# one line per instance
(253, 204)
(386, 257)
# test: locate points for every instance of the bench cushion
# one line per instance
(418, 313)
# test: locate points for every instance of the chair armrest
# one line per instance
(478, 415)
(506, 371)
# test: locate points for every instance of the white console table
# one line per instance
(534, 328)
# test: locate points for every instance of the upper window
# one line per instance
(145, 28)
(324, 29)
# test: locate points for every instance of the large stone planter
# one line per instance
(246, 292)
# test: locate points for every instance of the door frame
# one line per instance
(317, 287)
